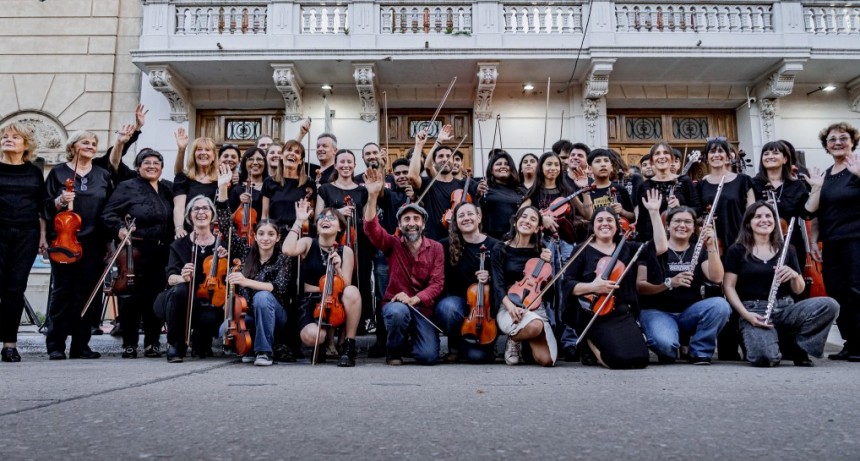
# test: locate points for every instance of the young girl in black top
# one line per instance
(22, 228)
(750, 271)
(198, 177)
(500, 195)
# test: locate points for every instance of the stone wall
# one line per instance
(65, 66)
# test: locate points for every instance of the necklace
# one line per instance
(682, 255)
(324, 253)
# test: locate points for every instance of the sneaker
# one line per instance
(513, 352)
(129, 353)
(152, 351)
(85, 353)
(699, 360)
(370, 326)
(394, 360)
(282, 353)
(10, 354)
(263, 359)
(249, 358)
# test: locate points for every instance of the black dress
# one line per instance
(731, 207)
(498, 206)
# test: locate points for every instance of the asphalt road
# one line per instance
(221, 409)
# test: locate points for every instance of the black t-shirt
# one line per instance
(91, 194)
(498, 206)
(436, 203)
(282, 198)
(730, 211)
(181, 254)
(791, 197)
(458, 278)
(545, 197)
(601, 197)
(756, 276)
(508, 263)
(667, 265)
(22, 195)
(335, 197)
(314, 265)
(582, 270)
(183, 185)
(684, 191)
(631, 185)
(153, 211)
(325, 175)
(839, 207)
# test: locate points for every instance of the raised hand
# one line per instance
(125, 134)
(483, 187)
(225, 176)
(139, 116)
(374, 182)
(420, 139)
(815, 179)
(305, 127)
(446, 134)
(303, 210)
(852, 163)
(652, 200)
(181, 139)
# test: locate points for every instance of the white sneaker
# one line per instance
(263, 360)
(513, 352)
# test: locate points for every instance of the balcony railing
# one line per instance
(832, 20)
(426, 19)
(221, 19)
(321, 19)
(524, 18)
(693, 17)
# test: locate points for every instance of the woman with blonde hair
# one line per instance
(196, 176)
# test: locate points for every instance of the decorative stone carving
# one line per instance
(767, 112)
(591, 112)
(365, 83)
(288, 82)
(51, 136)
(596, 83)
(781, 82)
(165, 81)
(488, 73)
(854, 94)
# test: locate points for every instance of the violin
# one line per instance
(457, 197)
(245, 217)
(811, 268)
(65, 249)
(527, 292)
(306, 225)
(479, 327)
(608, 268)
(625, 223)
(561, 206)
(212, 288)
(237, 336)
(128, 256)
(348, 238)
(330, 309)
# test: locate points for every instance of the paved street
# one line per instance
(221, 409)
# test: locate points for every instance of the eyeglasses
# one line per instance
(328, 217)
(84, 183)
(256, 160)
(235, 146)
(151, 163)
(200, 209)
(716, 138)
(688, 222)
(842, 139)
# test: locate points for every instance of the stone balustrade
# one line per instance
(832, 20)
(317, 18)
(426, 19)
(529, 18)
(694, 17)
(194, 18)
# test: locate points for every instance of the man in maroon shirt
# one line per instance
(416, 276)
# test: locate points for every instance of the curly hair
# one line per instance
(843, 127)
(27, 134)
(455, 237)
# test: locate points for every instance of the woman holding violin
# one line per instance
(675, 190)
(833, 199)
(76, 192)
(289, 185)
(514, 262)
(149, 201)
(199, 176)
(264, 280)
(320, 256)
(465, 252)
(615, 340)
(500, 195)
(189, 257)
(549, 187)
(759, 282)
(252, 169)
(22, 227)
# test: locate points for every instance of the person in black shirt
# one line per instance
(669, 285)
(615, 339)
(228, 154)
(834, 198)
(73, 282)
(750, 272)
(607, 192)
(326, 150)
(575, 165)
(148, 200)
(675, 190)
(22, 227)
(273, 157)
(171, 306)
(549, 186)
(462, 261)
(289, 184)
(528, 170)
(198, 177)
(736, 196)
(500, 195)
(252, 167)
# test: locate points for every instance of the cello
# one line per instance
(213, 288)
(329, 310)
(479, 327)
(236, 336)
(527, 292)
(245, 217)
(66, 249)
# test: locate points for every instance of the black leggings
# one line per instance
(171, 307)
(18, 248)
(149, 281)
(841, 273)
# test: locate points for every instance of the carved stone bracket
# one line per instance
(591, 112)
(488, 73)
(596, 83)
(365, 83)
(854, 94)
(164, 80)
(288, 82)
(767, 111)
(781, 82)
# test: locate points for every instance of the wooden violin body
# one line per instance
(350, 235)
(128, 257)
(237, 335)
(457, 197)
(479, 327)
(330, 306)
(65, 249)
(608, 268)
(245, 218)
(213, 288)
(526, 292)
(561, 206)
(812, 268)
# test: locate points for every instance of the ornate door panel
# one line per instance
(404, 123)
(240, 127)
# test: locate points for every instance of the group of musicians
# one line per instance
(570, 255)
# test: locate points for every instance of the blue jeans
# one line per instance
(400, 319)
(702, 321)
(268, 314)
(450, 313)
(566, 335)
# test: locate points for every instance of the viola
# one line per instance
(65, 249)
(811, 268)
(457, 197)
(128, 257)
(330, 309)
(527, 292)
(237, 336)
(561, 206)
(212, 288)
(625, 223)
(608, 268)
(245, 218)
(479, 327)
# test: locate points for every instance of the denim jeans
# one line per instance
(566, 335)
(400, 319)
(450, 313)
(267, 315)
(702, 321)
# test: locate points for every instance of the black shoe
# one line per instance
(377, 350)
(569, 354)
(394, 360)
(699, 360)
(129, 353)
(451, 357)
(665, 359)
(96, 331)
(116, 330)
(173, 354)
(152, 351)
(348, 357)
(841, 355)
(282, 353)
(801, 359)
(57, 355)
(10, 354)
(84, 354)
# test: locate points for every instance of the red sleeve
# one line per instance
(378, 236)
(429, 295)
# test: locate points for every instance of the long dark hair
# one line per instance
(337, 154)
(746, 237)
(537, 239)
(455, 237)
(243, 169)
(618, 230)
(520, 166)
(782, 148)
(252, 259)
(537, 188)
(513, 177)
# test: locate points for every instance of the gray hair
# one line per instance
(190, 204)
(74, 138)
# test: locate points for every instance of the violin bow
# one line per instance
(191, 288)
(561, 128)
(545, 116)
(442, 103)
(631, 264)
(436, 176)
(110, 264)
(481, 147)
(558, 275)
(385, 115)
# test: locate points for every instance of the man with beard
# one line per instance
(576, 175)
(416, 277)
(437, 199)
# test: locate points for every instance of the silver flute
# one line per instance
(774, 286)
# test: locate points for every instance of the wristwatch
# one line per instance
(668, 283)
